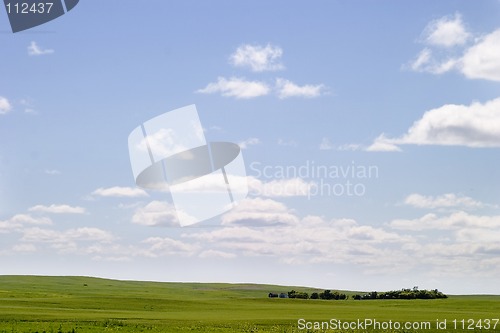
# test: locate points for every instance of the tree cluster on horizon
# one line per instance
(327, 295)
(414, 293)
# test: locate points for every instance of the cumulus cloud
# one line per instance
(5, 106)
(58, 209)
(382, 143)
(26, 219)
(259, 212)
(451, 47)
(35, 50)
(6, 227)
(455, 221)
(286, 89)
(119, 191)
(482, 61)
(216, 254)
(258, 58)
(236, 87)
(448, 200)
(425, 62)
(160, 214)
(310, 239)
(20, 221)
(156, 213)
(487, 237)
(158, 246)
(475, 125)
(421, 60)
(447, 31)
(249, 142)
(66, 240)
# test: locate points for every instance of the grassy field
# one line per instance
(83, 304)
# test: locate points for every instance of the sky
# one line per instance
(370, 133)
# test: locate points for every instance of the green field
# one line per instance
(83, 304)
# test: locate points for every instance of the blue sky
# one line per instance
(408, 89)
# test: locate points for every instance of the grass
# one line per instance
(83, 304)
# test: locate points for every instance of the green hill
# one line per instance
(85, 304)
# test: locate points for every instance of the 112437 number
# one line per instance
(26, 8)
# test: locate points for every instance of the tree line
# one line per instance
(327, 294)
(414, 293)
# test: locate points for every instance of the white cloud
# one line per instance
(5, 105)
(66, 239)
(22, 219)
(258, 58)
(58, 209)
(167, 246)
(311, 239)
(119, 191)
(249, 142)
(424, 62)
(458, 220)
(448, 200)
(477, 60)
(156, 213)
(475, 125)
(7, 227)
(325, 144)
(89, 234)
(470, 239)
(288, 89)
(259, 212)
(35, 50)
(236, 87)
(422, 59)
(382, 143)
(228, 235)
(482, 61)
(447, 32)
(375, 250)
(480, 236)
(216, 254)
